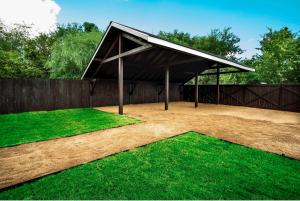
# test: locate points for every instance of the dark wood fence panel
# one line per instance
(34, 94)
(106, 92)
(271, 96)
(21, 95)
(290, 97)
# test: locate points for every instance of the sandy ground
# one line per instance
(270, 130)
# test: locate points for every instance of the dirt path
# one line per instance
(269, 130)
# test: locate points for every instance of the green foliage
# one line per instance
(37, 126)
(89, 27)
(279, 61)
(186, 167)
(243, 78)
(37, 52)
(66, 52)
(73, 28)
(23, 56)
(223, 43)
(12, 65)
(73, 47)
(219, 42)
(71, 54)
(178, 37)
(65, 29)
(14, 52)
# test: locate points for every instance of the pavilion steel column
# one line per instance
(120, 76)
(218, 85)
(167, 88)
(196, 90)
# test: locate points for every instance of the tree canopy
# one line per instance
(71, 54)
(60, 54)
(279, 61)
(219, 42)
(20, 55)
(65, 52)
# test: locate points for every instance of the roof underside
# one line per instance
(149, 65)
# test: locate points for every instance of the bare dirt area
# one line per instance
(269, 130)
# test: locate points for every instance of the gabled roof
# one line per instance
(161, 47)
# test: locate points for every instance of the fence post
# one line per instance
(218, 85)
(244, 94)
(92, 84)
(167, 72)
(196, 90)
(280, 96)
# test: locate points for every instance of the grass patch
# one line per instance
(37, 126)
(189, 166)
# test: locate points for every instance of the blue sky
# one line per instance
(249, 19)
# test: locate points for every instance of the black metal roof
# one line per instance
(149, 65)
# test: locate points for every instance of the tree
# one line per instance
(37, 52)
(223, 43)
(279, 61)
(13, 61)
(243, 78)
(71, 54)
(23, 56)
(65, 52)
(73, 47)
(89, 27)
(177, 37)
(65, 29)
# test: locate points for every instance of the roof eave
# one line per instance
(167, 44)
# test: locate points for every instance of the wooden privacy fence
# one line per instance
(270, 96)
(20, 95)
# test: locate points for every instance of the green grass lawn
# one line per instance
(37, 126)
(189, 166)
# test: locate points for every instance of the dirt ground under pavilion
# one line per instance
(269, 130)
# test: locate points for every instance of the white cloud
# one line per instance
(41, 15)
